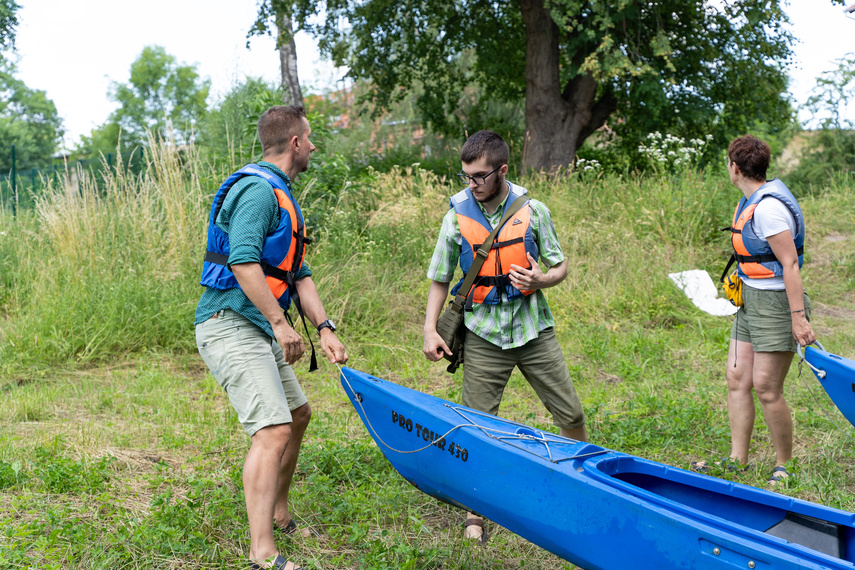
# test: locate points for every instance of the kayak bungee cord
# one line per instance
(358, 400)
(493, 433)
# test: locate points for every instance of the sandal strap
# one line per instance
(474, 522)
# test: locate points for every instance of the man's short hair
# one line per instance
(278, 125)
(751, 155)
(485, 144)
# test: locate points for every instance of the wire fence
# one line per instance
(20, 188)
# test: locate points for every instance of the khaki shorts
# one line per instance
(765, 320)
(487, 368)
(251, 368)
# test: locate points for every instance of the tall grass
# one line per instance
(104, 267)
(127, 454)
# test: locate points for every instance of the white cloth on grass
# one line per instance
(699, 287)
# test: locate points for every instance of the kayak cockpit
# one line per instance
(825, 530)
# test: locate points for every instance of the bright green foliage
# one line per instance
(162, 97)
(227, 133)
(689, 68)
(28, 120)
(8, 21)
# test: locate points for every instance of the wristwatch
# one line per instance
(327, 324)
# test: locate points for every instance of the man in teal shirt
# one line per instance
(242, 332)
(509, 324)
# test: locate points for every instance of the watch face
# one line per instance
(327, 324)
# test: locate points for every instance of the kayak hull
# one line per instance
(838, 379)
(594, 507)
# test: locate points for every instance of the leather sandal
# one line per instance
(279, 564)
(778, 475)
(292, 529)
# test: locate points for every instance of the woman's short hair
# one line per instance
(278, 125)
(751, 155)
(486, 144)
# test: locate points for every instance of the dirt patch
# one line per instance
(610, 379)
(792, 154)
(832, 312)
(835, 236)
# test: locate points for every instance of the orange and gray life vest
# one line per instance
(282, 252)
(755, 257)
(512, 243)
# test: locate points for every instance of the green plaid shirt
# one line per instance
(508, 324)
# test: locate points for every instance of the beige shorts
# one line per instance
(250, 366)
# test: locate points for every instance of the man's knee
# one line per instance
(275, 437)
(301, 416)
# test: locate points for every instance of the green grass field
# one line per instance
(119, 450)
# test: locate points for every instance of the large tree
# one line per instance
(690, 66)
(274, 18)
(162, 96)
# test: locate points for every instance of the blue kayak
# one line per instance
(837, 376)
(594, 507)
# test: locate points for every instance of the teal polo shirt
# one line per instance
(249, 213)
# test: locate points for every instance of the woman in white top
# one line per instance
(768, 238)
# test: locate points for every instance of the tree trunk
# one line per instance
(557, 122)
(291, 93)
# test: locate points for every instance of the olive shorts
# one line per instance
(765, 320)
(250, 366)
(487, 368)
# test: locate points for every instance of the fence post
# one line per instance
(14, 186)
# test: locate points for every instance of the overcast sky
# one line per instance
(74, 49)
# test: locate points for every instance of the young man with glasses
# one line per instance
(507, 319)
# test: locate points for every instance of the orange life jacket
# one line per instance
(513, 241)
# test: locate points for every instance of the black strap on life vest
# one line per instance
(266, 268)
(485, 281)
(762, 258)
(727, 267)
(752, 259)
(498, 244)
(295, 297)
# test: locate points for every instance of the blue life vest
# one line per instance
(282, 252)
(755, 257)
(513, 241)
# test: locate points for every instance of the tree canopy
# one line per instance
(691, 67)
(161, 96)
(8, 21)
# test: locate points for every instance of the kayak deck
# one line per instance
(590, 505)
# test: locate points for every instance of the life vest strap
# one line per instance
(280, 274)
(763, 258)
(218, 258)
(498, 244)
(266, 268)
(485, 281)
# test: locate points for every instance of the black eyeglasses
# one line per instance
(478, 180)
